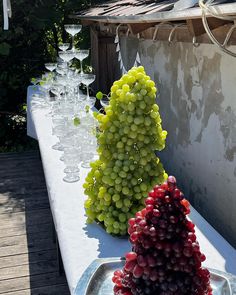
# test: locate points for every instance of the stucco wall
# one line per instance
(198, 107)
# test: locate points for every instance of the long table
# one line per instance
(81, 243)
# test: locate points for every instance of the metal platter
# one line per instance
(96, 279)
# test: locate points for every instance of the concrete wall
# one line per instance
(198, 108)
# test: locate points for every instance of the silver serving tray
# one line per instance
(96, 279)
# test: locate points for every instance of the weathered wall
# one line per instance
(198, 107)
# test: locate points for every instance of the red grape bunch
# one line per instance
(166, 257)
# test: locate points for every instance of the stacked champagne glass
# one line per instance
(70, 109)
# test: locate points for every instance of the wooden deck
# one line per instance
(28, 256)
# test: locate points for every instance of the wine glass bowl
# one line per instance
(67, 55)
(50, 66)
(104, 102)
(72, 29)
(64, 46)
(87, 79)
(81, 55)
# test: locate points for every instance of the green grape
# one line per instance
(127, 168)
(129, 119)
(122, 217)
(119, 204)
(143, 187)
(125, 191)
(127, 203)
(115, 197)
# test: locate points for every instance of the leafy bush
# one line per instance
(36, 28)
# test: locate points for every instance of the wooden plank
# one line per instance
(14, 286)
(20, 259)
(34, 218)
(37, 193)
(106, 39)
(20, 166)
(50, 290)
(28, 256)
(19, 230)
(138, 28)
(196, 27)
(22, 180)
(103, 67)
(182, 35)
(41, 245)
(113, 69)
(26, 239)
(14, 205)
(18, 155)
(30, 269)
(22, 172)
(22, 185)
(95, 56)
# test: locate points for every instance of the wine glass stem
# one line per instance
(81, 67)
(87, 92)
(78, 95)
(65, 93)
(73, 46)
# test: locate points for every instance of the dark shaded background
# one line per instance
(36, 28)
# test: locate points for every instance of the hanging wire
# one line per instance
(157, 27)
(212, 11)
(207, 8)
(172, 33)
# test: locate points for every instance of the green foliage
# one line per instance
(36, 28)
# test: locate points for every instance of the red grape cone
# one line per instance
(165, 257)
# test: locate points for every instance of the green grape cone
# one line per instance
(127, 167)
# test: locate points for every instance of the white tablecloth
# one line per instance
(30, 125)
(80, 243)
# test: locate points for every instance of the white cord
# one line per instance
(210, 9)
(206, 7)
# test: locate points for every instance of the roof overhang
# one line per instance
(193, 13)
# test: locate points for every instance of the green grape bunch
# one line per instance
(127, 167)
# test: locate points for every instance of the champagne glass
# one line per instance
(64, 46)
(71, 158)
(38, 101)
(59, 131)
(50, 66)
(73, 30)
(105, 101)
(67, 55)
(87, 79)
(81, 55)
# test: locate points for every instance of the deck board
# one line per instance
(28, 257)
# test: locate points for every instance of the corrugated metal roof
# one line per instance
(148, 10)
(128, 7)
